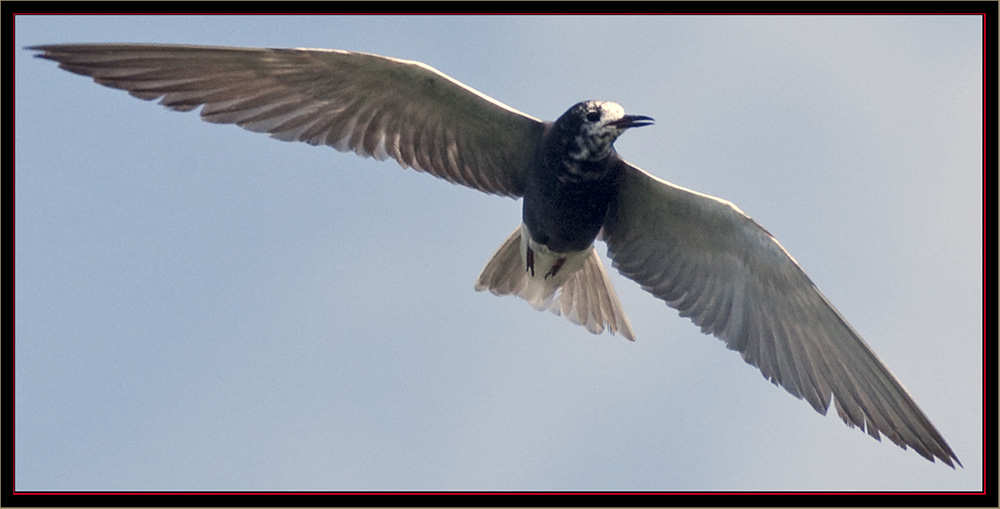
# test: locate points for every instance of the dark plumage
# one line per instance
(566, 196)
(699, 254)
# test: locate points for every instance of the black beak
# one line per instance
(629, 121)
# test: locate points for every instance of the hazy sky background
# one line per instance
(199, 307)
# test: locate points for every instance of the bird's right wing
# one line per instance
(710, 261)
(373, 105)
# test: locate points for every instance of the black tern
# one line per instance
(700, 254)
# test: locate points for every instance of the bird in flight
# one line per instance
(700, 254)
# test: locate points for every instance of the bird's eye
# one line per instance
(593, 116)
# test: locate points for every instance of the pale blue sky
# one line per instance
(203, 308)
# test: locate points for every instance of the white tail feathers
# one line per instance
(580, 290)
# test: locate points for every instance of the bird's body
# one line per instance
(699, 254)
(574, 177)
(568, 189)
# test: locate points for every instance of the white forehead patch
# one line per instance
(611, 111)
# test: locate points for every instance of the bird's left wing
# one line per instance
(716, 266)
(373, 105)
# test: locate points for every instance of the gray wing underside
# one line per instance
(716, 266)
(373, 105)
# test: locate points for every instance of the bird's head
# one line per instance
(590, 128)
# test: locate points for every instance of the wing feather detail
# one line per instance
(716, 266)
(372, 105)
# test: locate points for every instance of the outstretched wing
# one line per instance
(373, 105)
(718, 267)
